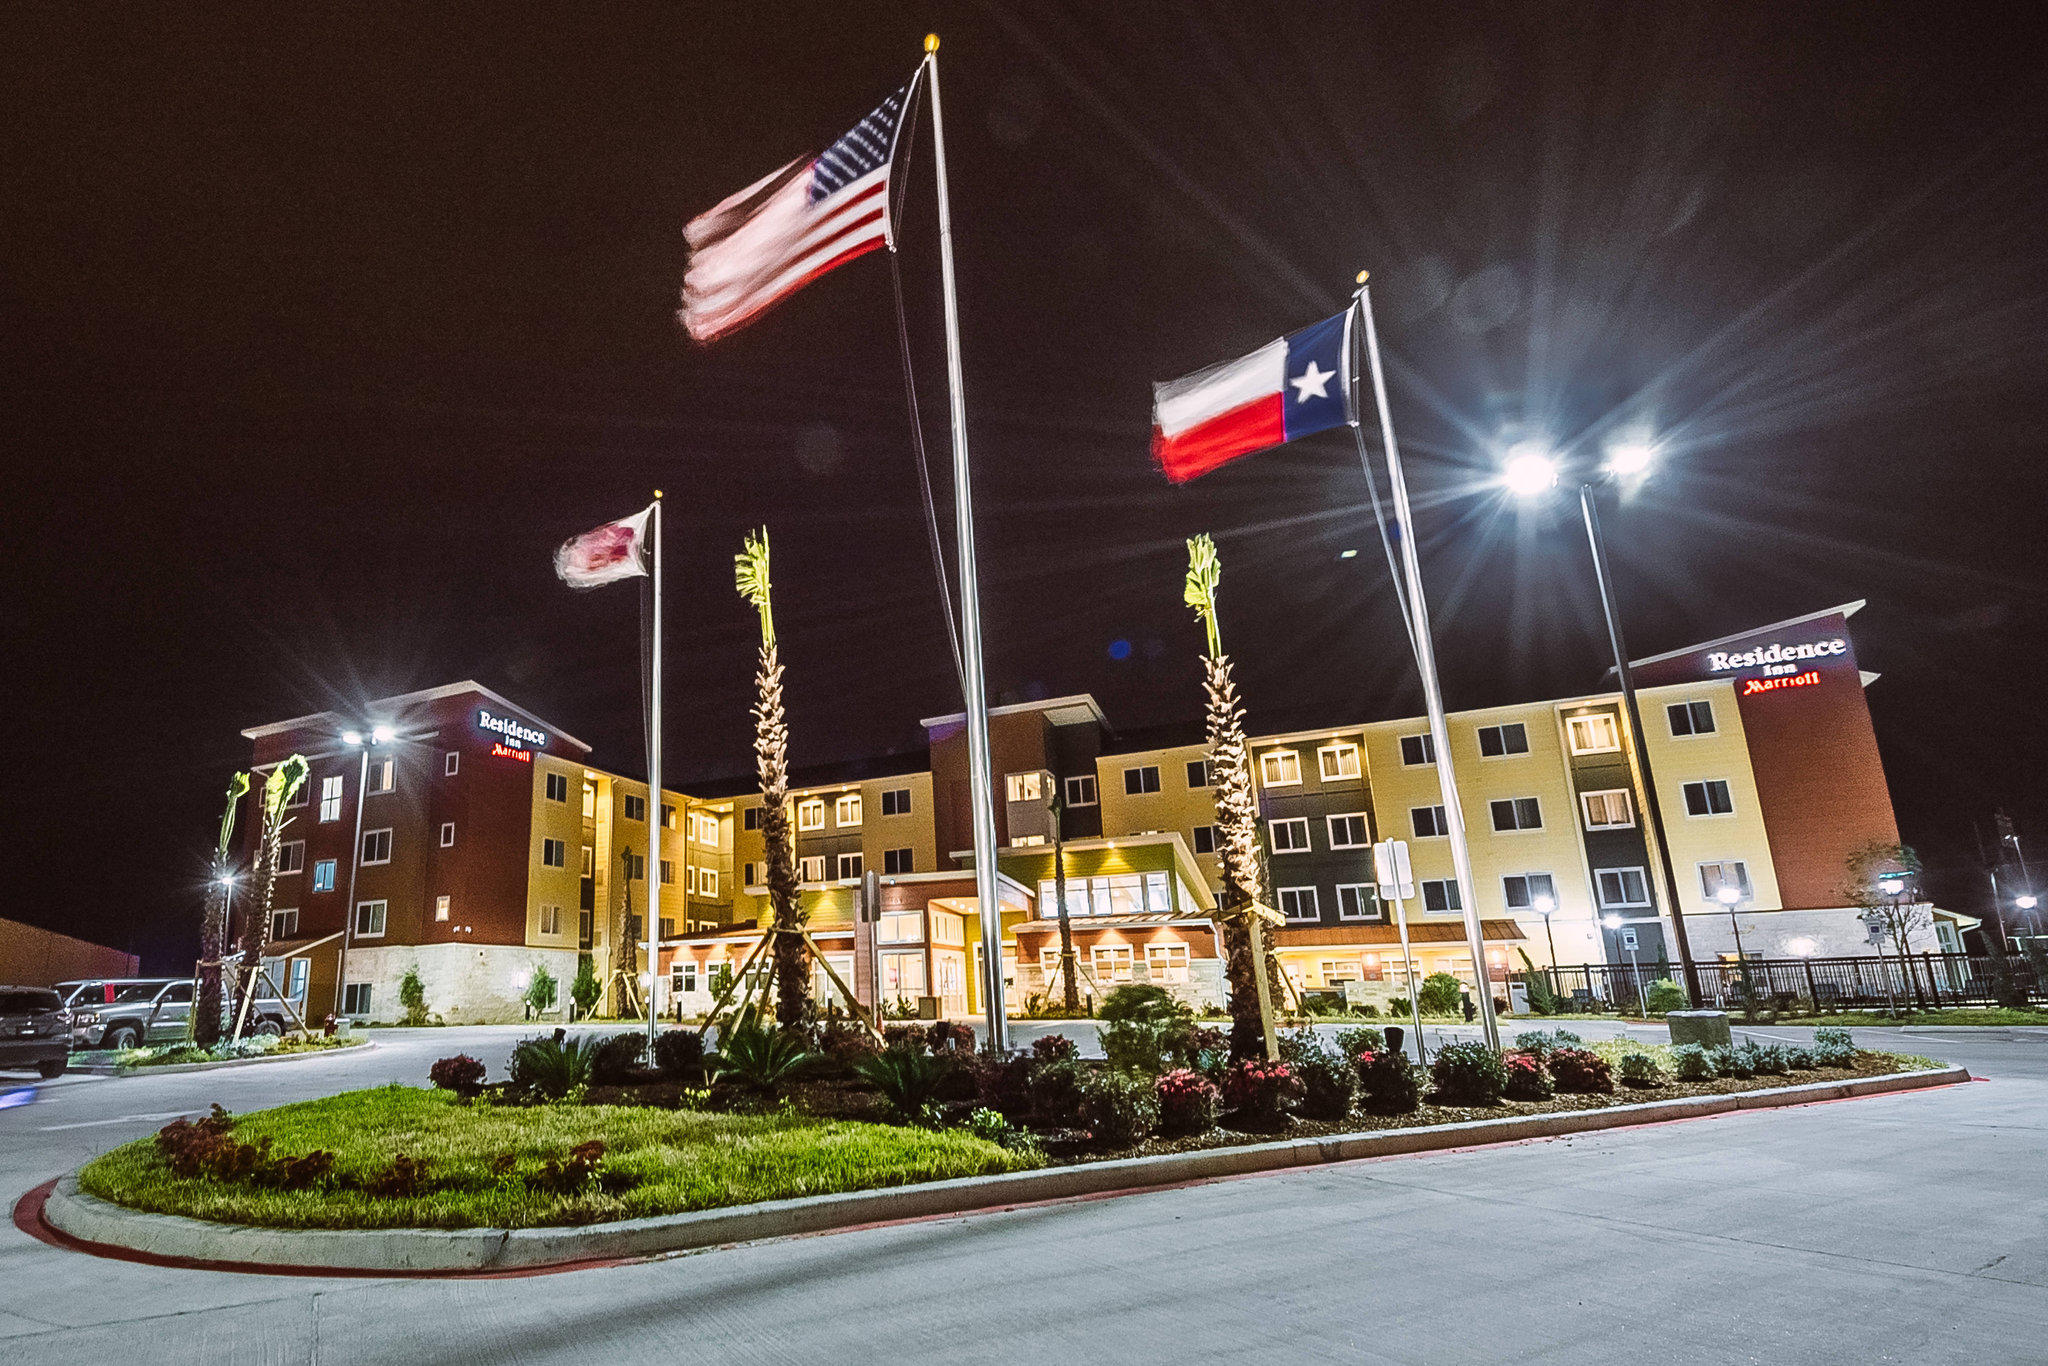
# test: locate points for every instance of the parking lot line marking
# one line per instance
(119, 1119)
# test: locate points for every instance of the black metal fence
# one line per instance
(1918, 981)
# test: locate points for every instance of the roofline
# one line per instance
(1079, 699)
(1847, 609)
(414, 699)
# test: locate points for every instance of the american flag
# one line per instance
(790, 227)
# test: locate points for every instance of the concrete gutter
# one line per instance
(112, 1229)
(170, 1068)
(2002, 1033)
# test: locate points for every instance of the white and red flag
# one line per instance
(606, 554)
(791, 226)
(1284, 390)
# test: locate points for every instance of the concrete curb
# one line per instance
(2000, 1033)
(172, 1068)
(113, 1228)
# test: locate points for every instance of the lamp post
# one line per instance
(1613, 922)
(1544, 906)
(1531, 472)
(1731, 897)
(378, 735)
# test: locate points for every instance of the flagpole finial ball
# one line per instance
(931, 42)
(657, 493)
(1362, 274)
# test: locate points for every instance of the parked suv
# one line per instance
(35, 1030)
(136, 1011)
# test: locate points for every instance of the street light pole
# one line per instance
(1651, 806)
(355, 863)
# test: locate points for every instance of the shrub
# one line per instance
(1800, 1059)
(585, 989)
(551, 1065)
(1119, 1108)
(1206, 1051)
(1327, 1077)
(762, 1058)
(1261, 1091)
(1388, 1082)
(1542, 1000)
(541, 992)
(1728, 1062)
(679, 1055)
(1187, 1103)
(1767, 1059)
(412, 994)
(461, 1074)
(916, 1038)
(949, 1036)
(206, 1148)
(1580, 1070)
(1056, 1093)
(617, 1058)
(403, 1179)
(1542, 1042)
(907, 1079)
(992, 1127)
(844, 1040)
(1141, 1001)
(1139, 1045)
(1664, 996)
(1363, 1039)
(1834, 1046)
(1002, 1081)
(1440, 994)
(1527, 1078)
(578, 1172)
(302, 1172)
(1467, 1074)
(1640, 1070)
(1051, 1048)
(1690, 1062)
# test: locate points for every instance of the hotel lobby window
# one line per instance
(1594, 734)
(1112, 963)
(1024, 787)
(1167, 963)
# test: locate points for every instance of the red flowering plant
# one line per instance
(1261, 1090)
(1527, 1079)
(1187, 1102)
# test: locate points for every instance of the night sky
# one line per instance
(325, 324)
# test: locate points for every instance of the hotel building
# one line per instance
(492, 846)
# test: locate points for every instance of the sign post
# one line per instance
(1396, 879)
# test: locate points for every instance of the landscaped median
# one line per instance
(188, 1057)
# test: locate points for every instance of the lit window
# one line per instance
(589, 801)
(1348, 832)
(1608, 810)
(683, 977)
(1709, 798)
(370, 919)
(704, 829)
(1498, 741)
(451, 762)
(900, 927)
(1280, 768)
(441, 905)
(1138, 781)
(1417, 750)
(447, 834)
(1205, 839)
(1337, 761)
(1622, 887)
(1024, 787)
(1517, 813)
(1081, 790)
(811, 869)
(1026, 841)
(1441, 895)
(1691, 718)
(330, 798)
(1198, 773)
(810, 814)
(1429, 821)
(1521, 890)
(323, 875)
(551, 920)
(895, 801)
(1289, 836)
(849, 866)
(1164, 963)
(1112, 963)
(1357, 901)
(1724, 873)
(383, 776)
(707, 882)
(589, 861)
(555, 854)
(846, 811)
(902, 974)
(291, 857)
(284, 924)
(635, 807)
(897, 861)
(1298, 903)
(1594, 734)
(376, 846)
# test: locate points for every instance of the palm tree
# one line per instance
(792, 955)
(279, 788)
(625, 944)
(1057, 804)
(213, 933)
(1237, 817)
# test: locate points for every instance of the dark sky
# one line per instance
(324, 324)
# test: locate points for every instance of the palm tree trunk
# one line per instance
(792, 955)
(213, 936)
(1059, 890)
(1237, 822)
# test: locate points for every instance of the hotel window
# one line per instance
(633, 865)
(1289, 836)
(810, 814)
(684, 977)
(451, 763)
(897, 861)
(1620, 888)
(447, 834)
(1348, 831)
(1198, 773)
(707, 882)
(1429, 821)
(750, 874)
(1164, 963)
(586, 929)
(376, 846)
(323, 875)
(1024, 787)
(1517, 813)
(900, 927)
(633, 928)
(895, 801)
(383, 776)
(1081, 790)
(1280, 768)
(1441, 895)
(284, 924)
(299, 795)
(589, 800)
(1112, 963)
(706, 831)
(301, 970)
(441, 907)
(330, 798)
(1522, 890)
(551, 920)
(751, 820)
(668, 872)
(1724, 873)
(846, 811)
(1595, 734)
(291, 857)
(589, 861)
(557, 787)
(635, 808)
(903, 974)
(1026, 841)
(668, 927)
(1709, 798)
(1691, 718)
(1417, 750)
(1357, 901)
(370, 919)
(1298, 903)
(811, 869)
(1205, 839)
(355, 998)
(1496, 742)
(555, 854)
(849, 866)
(1608, 810)
(1335, 762)
(1138, 781)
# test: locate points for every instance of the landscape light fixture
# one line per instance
(381, 735)
(1544, 905)
(1530, 470)
(2026, 902)
(351, 737)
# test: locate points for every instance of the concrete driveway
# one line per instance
(1908, 1228)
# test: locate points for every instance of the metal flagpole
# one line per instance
(654, 824)
(1425, 664)
(973, 685)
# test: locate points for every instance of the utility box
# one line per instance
(1707, 1028)
(1518, 998)
(928, 1009)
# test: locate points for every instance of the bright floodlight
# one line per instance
(1530, 470)
(351, 737)
(1545, 905)
(1630, 457)
(1612, 922)
(227, 879)
(381, 735)
(1892, 886)
(1729, 895)
(2026, 902)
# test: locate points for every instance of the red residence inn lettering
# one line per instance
(503, 751)
(1753, 686)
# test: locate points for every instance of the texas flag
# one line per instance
(1284, 390)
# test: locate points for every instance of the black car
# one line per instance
(35, 1030)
